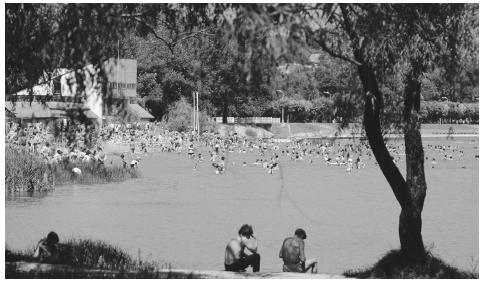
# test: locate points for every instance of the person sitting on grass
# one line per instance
(242, 251)
(293, 254)
(47, 249)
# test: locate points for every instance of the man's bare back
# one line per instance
(293, 254)
(292, 251)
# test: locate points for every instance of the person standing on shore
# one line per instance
(293, 254)
(242, 251)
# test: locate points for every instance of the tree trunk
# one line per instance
(411, 193)
(410, 224)
(410, 217)
(225, 109)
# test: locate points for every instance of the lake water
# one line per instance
(186, 217)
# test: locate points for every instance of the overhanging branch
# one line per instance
(332, 53)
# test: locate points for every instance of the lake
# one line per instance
(186, 217)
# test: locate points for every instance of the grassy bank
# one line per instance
(90, 254)
(395, 265)
(26, 171)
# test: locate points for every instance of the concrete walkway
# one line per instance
(21, 269)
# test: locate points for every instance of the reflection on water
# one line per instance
(25, 197)
(186, 217)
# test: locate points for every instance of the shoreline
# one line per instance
(22, 269)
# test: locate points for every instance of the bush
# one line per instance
(180, 118)
(395, 265)
(323, 109)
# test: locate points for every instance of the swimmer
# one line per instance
(76, 171)
(191, 152)
(272, 166)
(135, 163)
(349, 167)
(132, 145)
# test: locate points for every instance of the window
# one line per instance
(57, 86)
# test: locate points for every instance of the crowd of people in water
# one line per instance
(215, 149)
(208, 148)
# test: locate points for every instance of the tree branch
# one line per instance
(332, 53)
(155, 34)
(190, 35)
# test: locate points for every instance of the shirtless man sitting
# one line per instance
(293, 254)
(242, 251)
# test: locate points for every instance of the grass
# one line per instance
(91, 173)
(91, 254)
(87, 259)
(26, 171)
(395, 266)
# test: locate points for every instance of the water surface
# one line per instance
(186, 217)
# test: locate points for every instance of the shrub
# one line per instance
(180, 118)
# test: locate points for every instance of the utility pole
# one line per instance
(198, 112)
(117, 77)
(194, 111)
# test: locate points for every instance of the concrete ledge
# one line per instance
(42, 270)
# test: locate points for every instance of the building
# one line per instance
(53, 99)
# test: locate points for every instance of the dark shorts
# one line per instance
(295, 267)
(240, 265)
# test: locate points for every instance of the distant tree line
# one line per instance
(449, 112)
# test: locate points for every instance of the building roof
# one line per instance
(90, 115)
(66, 105)
(38, 110)
(139, 111)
